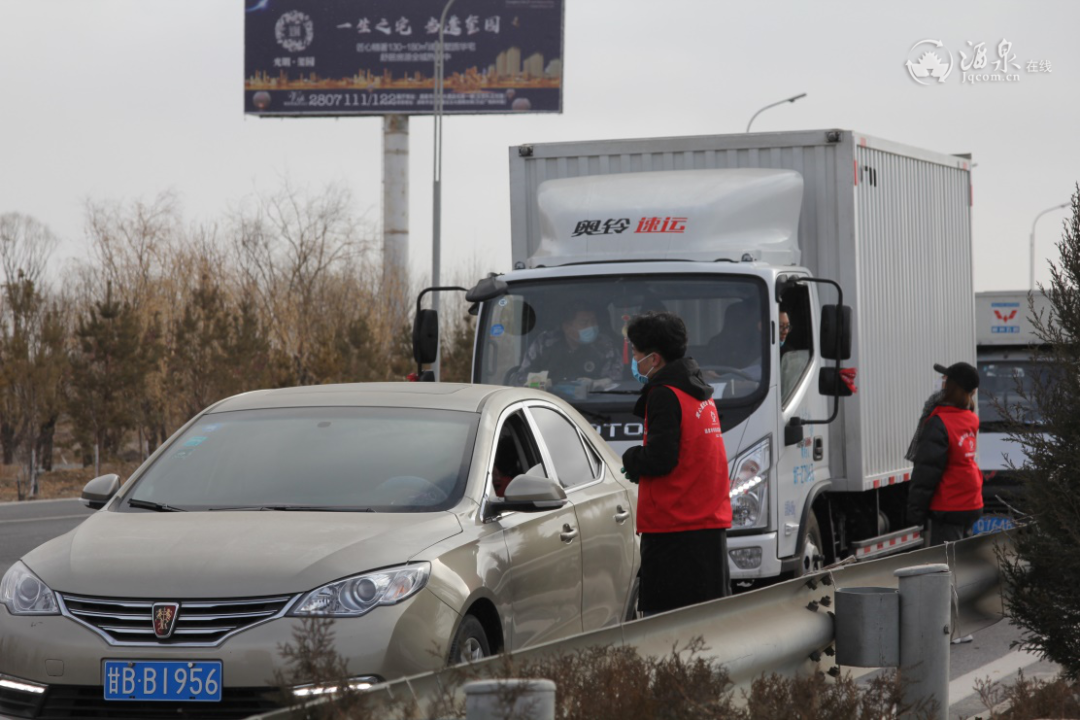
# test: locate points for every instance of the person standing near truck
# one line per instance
(946, 483)
(684, 508)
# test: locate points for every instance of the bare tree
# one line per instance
(130, 243)
(289, 246)
(31, 343)
(25, 248)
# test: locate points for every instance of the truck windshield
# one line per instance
(1007, 384)
(568, 335)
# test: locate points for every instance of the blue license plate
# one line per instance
(166, 681)
(992, 523)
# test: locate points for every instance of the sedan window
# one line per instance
(515, 453)
(351, 458)
(572, 465)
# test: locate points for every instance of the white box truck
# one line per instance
(729, 232)
(1005, 346)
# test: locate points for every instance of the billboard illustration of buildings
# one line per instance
(377, 57)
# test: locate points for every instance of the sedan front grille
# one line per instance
(76, 702)
(198, 622)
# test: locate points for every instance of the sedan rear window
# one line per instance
(360, 459)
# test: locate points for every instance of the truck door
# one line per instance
(798, 361)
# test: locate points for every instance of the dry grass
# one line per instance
(66, 483)
(609, 683)
(1029, 699)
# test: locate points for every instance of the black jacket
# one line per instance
(665, 418)
(931, 456)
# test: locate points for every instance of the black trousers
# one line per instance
(952, 526)
(683, 568)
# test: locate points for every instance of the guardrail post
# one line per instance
(925, 617)
(505, 699)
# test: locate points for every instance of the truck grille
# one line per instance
(198, 622)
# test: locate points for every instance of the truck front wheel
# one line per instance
(813, 555)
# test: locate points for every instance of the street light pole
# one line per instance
(436, 190)
(1031, 244)
(781, 102)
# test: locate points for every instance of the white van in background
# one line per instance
(1005, 340)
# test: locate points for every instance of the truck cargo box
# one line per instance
(890, 223)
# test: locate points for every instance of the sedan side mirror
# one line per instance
(100, 490)
(528, 493)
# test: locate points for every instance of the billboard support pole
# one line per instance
(436, 190)
(395, 199)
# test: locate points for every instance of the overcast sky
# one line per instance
(116, 99)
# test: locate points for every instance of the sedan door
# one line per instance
(544, 549)
(603, 510)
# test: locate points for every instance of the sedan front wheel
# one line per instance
(470, 642)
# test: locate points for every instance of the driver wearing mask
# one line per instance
(575, 350)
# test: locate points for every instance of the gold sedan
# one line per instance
(470, 519)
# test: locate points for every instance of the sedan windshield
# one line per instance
(358, 459)
(569, 336)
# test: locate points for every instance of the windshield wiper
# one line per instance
(151, 505)
(303, 508)
(616, 392)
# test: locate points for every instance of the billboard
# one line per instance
(377, 57)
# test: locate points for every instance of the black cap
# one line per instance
(961, 373)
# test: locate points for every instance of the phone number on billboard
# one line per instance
(345, 100)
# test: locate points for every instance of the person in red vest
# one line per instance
(946, 484)
(684, 508)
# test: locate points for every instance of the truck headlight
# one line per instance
(359, 595)
(25, 594)
(750, 487)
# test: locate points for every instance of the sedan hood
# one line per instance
(229, 554)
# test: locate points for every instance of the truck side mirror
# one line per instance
(487, 289)
(425, 336)
(830, 383)
(793, 432)
(835, 332)
(783, 284)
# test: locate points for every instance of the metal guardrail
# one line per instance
(783, 629)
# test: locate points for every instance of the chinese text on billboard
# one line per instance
(344, 57)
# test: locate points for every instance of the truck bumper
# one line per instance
(743, 554)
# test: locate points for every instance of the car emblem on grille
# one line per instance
(165, 619)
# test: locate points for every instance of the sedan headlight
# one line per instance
(358, 595)
(750, 487)
(25, 594)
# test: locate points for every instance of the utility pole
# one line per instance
(779, 102)
(436, 189)
(1031, 244)
(395, 199)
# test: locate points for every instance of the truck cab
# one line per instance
(739, 235)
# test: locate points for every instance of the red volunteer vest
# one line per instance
(961, 483)
(695, 495)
